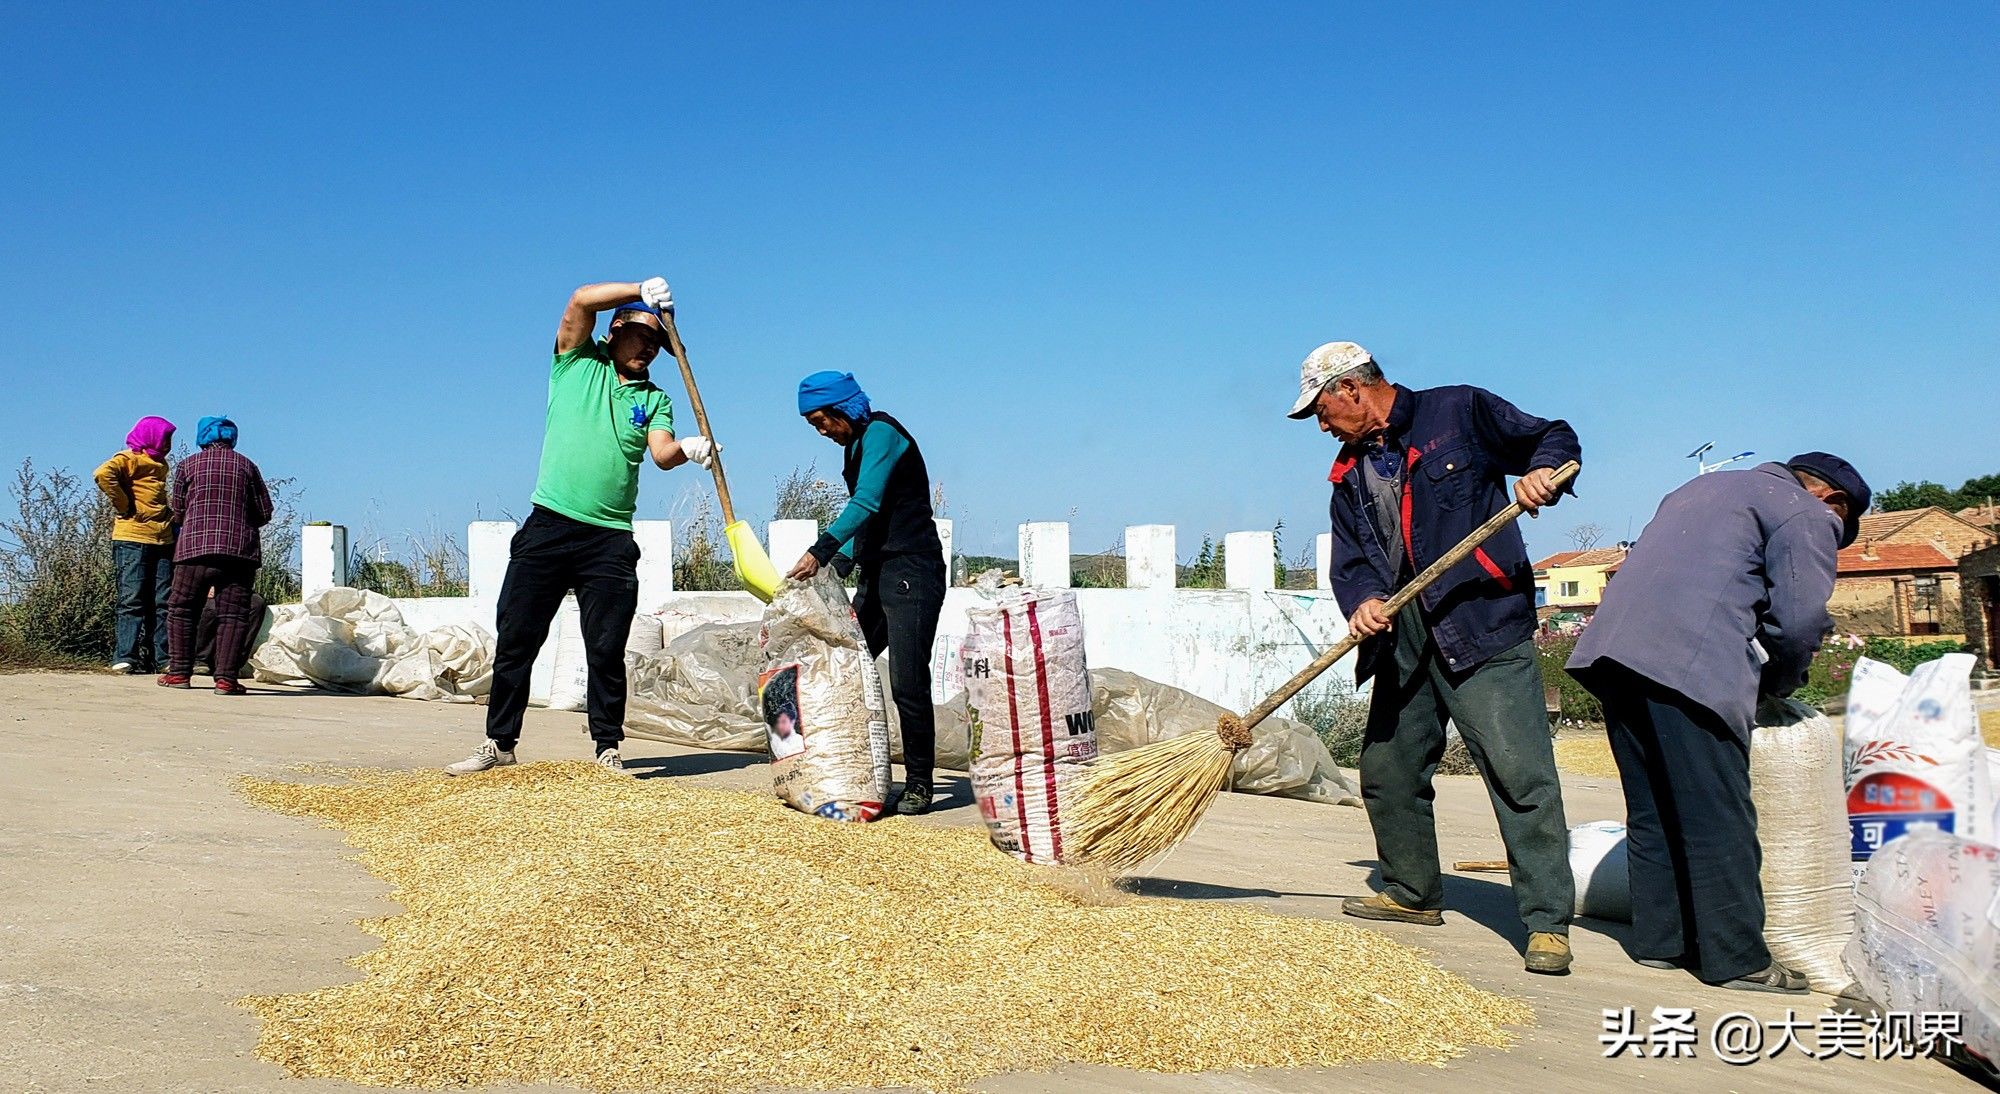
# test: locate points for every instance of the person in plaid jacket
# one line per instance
(221, 501)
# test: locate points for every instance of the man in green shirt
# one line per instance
(604, 415)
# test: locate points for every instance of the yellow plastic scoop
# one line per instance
(753, 565)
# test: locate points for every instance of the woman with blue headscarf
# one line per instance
(887, 535)
(221, 503)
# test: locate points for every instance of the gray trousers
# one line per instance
(1499, 710)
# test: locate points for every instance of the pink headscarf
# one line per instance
(151, 436)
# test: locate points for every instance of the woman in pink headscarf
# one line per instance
(142, 543)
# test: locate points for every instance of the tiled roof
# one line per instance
(1883, 525)
(1893, 558)
(1602, 556)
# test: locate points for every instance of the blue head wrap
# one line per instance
(834, 391)
(216, 430)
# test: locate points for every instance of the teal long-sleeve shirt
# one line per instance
(881, 446)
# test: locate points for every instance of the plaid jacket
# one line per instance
(221, 501)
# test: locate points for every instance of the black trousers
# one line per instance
(1498, 708)
(552, 555)
(1690, 828)
(898, 599)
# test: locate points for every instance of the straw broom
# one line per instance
(1137, 804)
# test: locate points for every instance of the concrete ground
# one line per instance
(141, 897)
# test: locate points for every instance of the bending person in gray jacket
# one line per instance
(1721, 604)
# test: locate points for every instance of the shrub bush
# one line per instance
(1339, 715)
(1578, 705)
(57, 566)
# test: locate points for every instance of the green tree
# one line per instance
(1915, 495)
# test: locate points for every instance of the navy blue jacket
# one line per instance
(1459, 445)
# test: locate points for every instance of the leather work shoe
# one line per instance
(1380, 906)
(1548, 953)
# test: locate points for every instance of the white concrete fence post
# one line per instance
(488, 546)
(1323, 560)
(1045, 554)
(1150, 562)
(788, 539)
(322, 558)
(1250, 560)
(656, 562)
(944, 537)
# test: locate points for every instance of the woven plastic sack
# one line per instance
(1914, 757)
(1027, 687)
(1796, 786)
(569, 685)
(1927, 933)
(822, 705)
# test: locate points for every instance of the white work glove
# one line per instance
(700, 451)
(654, 291)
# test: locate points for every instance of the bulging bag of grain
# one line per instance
(1914, 758)
(1027, 689)
(1603, 873)
(822, 706)
(1927, 933)
(1796, 786)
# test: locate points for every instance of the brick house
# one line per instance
(1901, 575)
(1979, 592)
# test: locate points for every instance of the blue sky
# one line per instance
(1079, 250)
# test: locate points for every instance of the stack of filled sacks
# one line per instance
(356, 641)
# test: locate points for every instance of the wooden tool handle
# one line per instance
(1396, 604)
(700, 415)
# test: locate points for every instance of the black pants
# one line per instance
(1498, 709)
(898, 599)
(1690, 829)
(551, 555)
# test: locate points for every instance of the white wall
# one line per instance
(1229, 646)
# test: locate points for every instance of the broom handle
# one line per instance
(1397, 602)
(700, 415)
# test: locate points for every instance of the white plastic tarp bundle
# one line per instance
(569, 682)
(1027, 687)
(356, 641)
(700, 691)
(822, 702)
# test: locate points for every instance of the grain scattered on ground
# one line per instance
(565, 925)
(1589, 756)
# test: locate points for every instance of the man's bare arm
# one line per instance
(665, 450)
(579, 318)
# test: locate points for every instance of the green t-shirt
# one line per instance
(595, 438)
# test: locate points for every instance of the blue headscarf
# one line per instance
(216, 430)
(835, 391)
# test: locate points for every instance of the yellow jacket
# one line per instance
(136, 484)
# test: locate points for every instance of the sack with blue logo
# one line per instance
(1914, 759)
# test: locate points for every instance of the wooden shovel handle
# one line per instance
(1230, 731)
(700, 415)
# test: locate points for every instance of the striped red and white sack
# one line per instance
(1027, 689)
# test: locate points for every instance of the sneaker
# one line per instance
(916, 800)
(230, 687)
(1548, 953)
(121, 666)
(172, 680)
(1776, 979)
(609, 760)
(1381, 906)
(487, 757)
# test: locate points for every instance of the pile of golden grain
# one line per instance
(569, 926)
